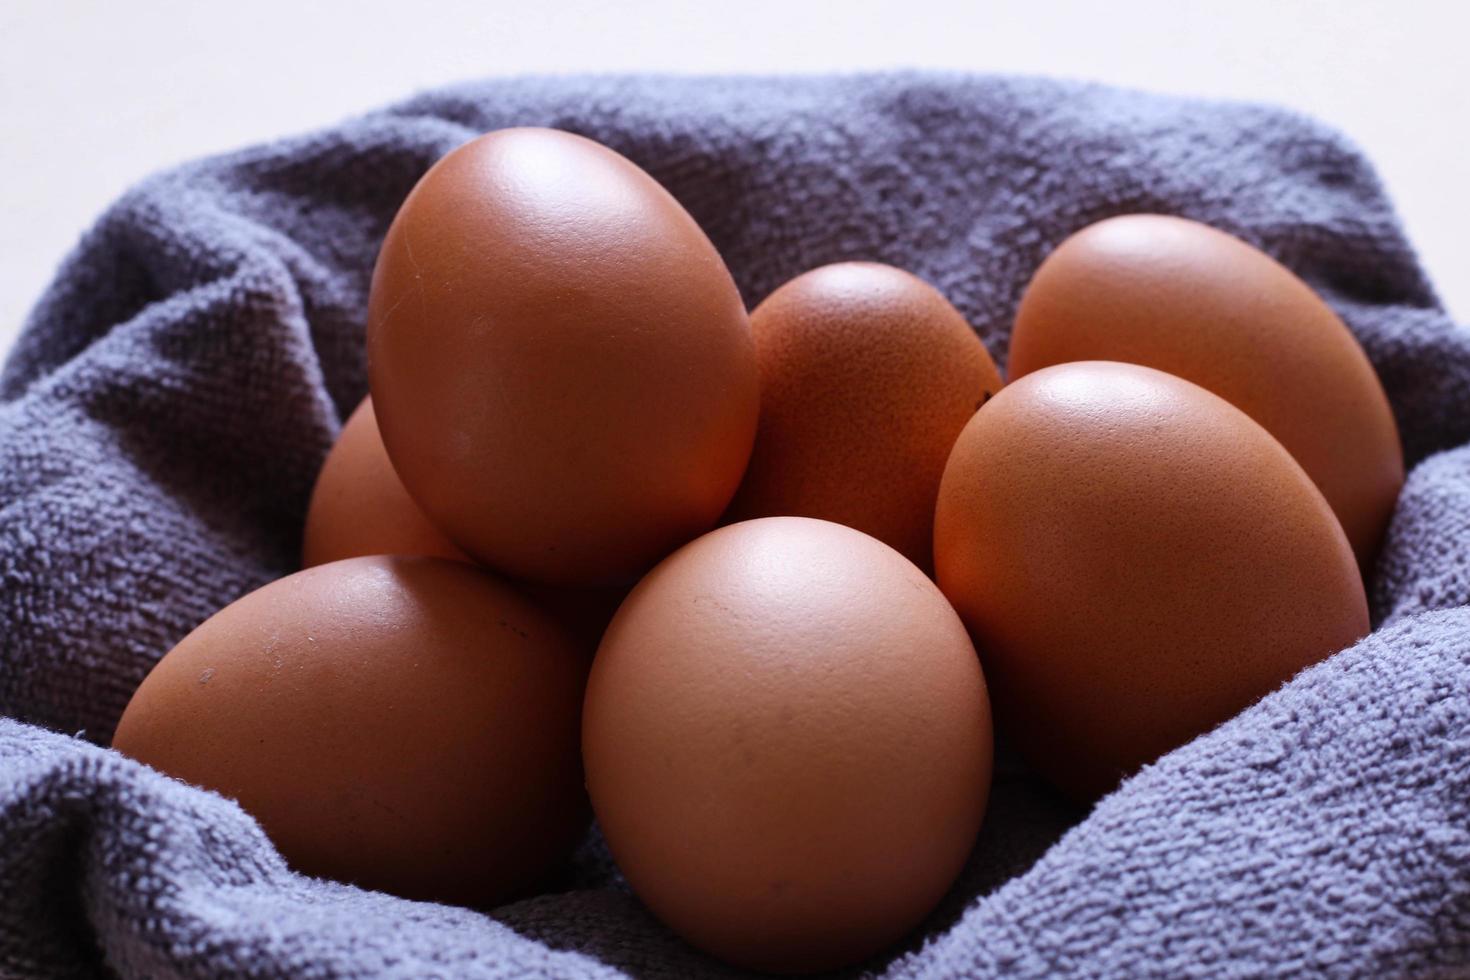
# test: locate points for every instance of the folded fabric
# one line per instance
(169, 402)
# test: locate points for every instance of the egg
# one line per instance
(561, 364)
(867, 376)
(788, 744)
(359, 506)
(1137, 561)
(1180, 296)
(403, 724)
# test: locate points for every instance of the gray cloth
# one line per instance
(167, 407)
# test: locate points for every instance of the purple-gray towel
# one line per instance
(172, 395)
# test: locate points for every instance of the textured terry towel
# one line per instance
(171, 398)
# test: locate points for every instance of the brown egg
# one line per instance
(867, 376)
(787, 743)
(1137, 561)
(404, 724)
(359, 506)
(1185, 298)
(562, 366)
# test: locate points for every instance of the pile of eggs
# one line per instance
(828, 507)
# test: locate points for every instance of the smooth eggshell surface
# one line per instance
(1137, 561)
(1188, 299)
(359, 506)
(404, 724)
(561, 364)
(788, 745)
(867, 376)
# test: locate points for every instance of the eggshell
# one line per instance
(1137, 561)
(561, 364)
(359, 506)
(787, 743)
(867, 376)
(404, 724)
(1182, 297)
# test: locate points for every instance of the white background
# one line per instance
(95, 95)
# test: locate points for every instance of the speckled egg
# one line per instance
(867, 376)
